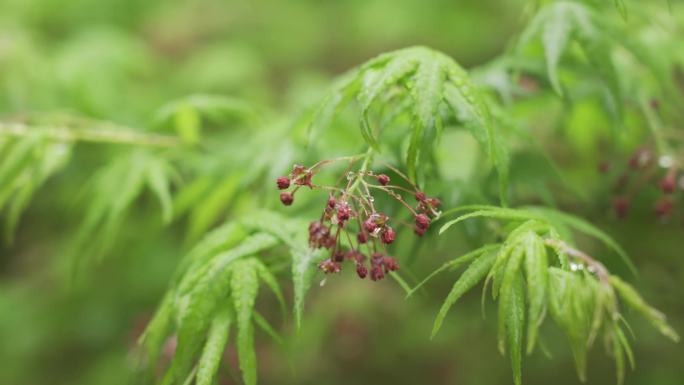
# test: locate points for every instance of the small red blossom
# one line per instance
(377, 273)
(361, 271)
(287, 198)
(338, 256)
(283, 182)
(335, 229)
(422, 221)
(343, 212)
(369, 225)
(329, 266)
(390, 264)
(388, 235)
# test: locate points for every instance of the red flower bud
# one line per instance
(420, 196)
(338, 256)
(361, 271)
(362, 237)
(390, 264)
(286, 198)
(329, 266)
(376, 259)
(388, 235)
(331, 202)
(343, 212)
(283, 182)
(383, 179)
(434, 203)
(369, 225)
(377, 273)
(419, 232)
(422, 221)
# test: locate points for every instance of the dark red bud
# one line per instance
(434, 202)
(331, 202)
(377, 273)
(283, 182)
(338, 256)
(287, 198)
(390, 264)
(388, 235)
(361, 271)
(369, 225)
(420, 196)
(383, 179)
(419, 232)
(362, 237)
(343, 212)
(422, 221)
(329, 266)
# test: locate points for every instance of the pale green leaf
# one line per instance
(636, 302)
(555, 37)
(455, 263)
(477, 270)
(392, 73)
(270, 280)
(158, 181)
(304, 262)
(494, 212)
(244, 286)
(217, 338)
(266, 327)
(536, 271)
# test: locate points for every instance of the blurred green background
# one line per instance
(121, 60)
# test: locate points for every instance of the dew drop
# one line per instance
(576, 266)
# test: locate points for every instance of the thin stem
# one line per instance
(401, 174)
(393, 195)
(351, 158)
(364, 167)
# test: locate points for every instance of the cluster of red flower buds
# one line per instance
(350, 224)
(644, 168)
